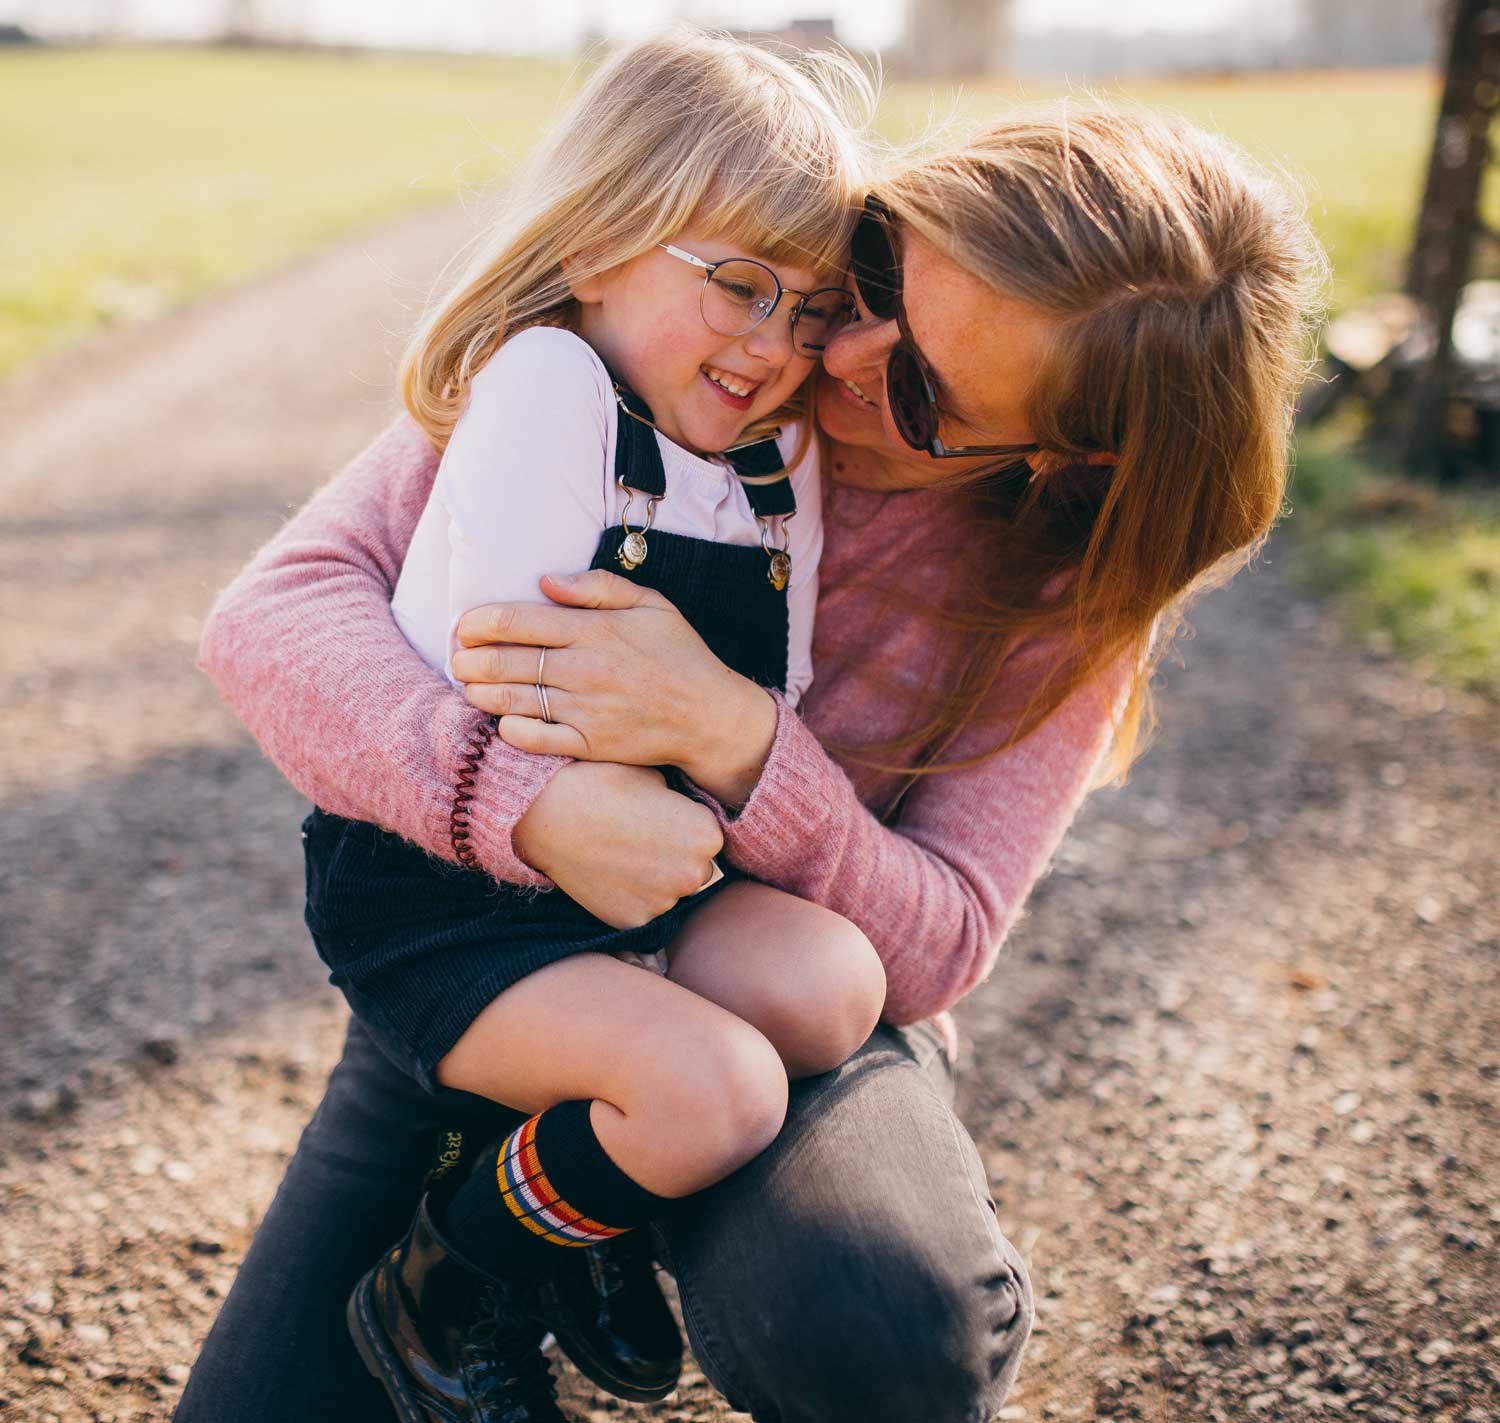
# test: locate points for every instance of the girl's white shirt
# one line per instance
(526, 487)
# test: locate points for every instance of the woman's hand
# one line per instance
(619, 841)
(627, 678)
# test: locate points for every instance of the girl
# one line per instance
(667, 277)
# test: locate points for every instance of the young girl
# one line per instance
(667, 276)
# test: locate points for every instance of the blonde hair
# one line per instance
(689, 127)
(1184, 283)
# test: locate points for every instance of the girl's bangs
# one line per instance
(783, 213)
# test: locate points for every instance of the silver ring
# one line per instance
(715, 874)
(541, 690)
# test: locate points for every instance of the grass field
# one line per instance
(134, 178)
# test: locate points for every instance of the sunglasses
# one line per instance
(739, 293)
(910, 390)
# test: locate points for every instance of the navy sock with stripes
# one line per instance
(546, 1186)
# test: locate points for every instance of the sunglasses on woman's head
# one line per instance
(909, 387)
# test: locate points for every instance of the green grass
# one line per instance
(1412, 569)
(1355, 144)
(131, 179)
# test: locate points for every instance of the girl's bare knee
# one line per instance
(826, 1015)
(725, 1102)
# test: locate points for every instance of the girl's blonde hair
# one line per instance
(762, 151)
(1184, 282)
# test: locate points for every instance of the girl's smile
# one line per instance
(645, 320)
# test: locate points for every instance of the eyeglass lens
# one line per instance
(877, 274)
(740, 294)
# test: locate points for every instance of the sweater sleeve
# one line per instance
(303, 647)
(937, 892)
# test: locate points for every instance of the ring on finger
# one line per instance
(541, 690)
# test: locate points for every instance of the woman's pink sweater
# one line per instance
(303, 647)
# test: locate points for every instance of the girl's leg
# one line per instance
(612, 1063)
(280, 1349)
(804, 976)
(864, 1243)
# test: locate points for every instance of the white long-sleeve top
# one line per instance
(526, 487)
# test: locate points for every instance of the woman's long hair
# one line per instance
(1184, 283)
(691, 127)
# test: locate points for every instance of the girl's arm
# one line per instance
(303, 647)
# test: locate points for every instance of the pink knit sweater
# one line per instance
(303, 646)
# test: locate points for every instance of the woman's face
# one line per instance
(982, 348)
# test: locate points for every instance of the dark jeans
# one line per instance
(852, 1271)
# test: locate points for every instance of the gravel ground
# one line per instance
(1236, 1078)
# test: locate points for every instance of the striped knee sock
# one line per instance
(548, 1184)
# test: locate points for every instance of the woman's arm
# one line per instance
(937, 892)
(302, 645)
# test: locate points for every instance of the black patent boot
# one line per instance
(609, 1316)
(449, 1343)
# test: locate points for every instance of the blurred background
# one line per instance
(1236, 1079)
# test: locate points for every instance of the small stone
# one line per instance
(166, 1051)
(91, 1333)
(203, 1246)
(1218, 1338)
(1345, 1103)
(40, 1302)
(1434, 1353)
(175, 1374)
(178, 1171)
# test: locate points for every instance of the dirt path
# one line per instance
(1236, 1079)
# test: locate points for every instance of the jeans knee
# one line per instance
(945, 1349)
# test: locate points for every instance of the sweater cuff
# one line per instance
(790, 801)
(506, 784)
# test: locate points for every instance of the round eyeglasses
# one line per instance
(909, 386)
(739, 293)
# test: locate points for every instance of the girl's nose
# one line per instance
(772, 341)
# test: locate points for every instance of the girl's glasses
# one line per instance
(738, 294)
(909, 387)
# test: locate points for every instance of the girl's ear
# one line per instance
(587, 291)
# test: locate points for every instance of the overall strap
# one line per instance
(763, 475)
(637, 455)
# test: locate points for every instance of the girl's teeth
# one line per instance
(857, 391)
(734, 387)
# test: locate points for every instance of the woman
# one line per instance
(1112, 296)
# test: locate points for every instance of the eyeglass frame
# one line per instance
(709, 268)
(906, 348)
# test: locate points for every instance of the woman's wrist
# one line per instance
(734, 743)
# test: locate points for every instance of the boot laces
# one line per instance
(502, 1353)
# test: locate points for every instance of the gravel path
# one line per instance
(1236, 1078)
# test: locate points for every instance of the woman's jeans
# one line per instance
(852, 1271)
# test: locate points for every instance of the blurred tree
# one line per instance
(1449, 225)
(956, 37)
(241, 22)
